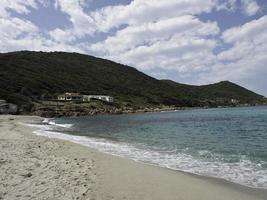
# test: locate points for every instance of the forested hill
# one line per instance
(27, 77)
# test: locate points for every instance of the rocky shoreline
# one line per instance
(51, 109)
(73, 110)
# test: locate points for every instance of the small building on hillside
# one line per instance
(98, 97)
(234, 101)
(85, 98)
(68, 96)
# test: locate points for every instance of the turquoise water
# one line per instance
(228, 143)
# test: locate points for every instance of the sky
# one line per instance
(188, 41)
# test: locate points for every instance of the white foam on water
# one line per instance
(53, 123)
(243, 172)
(47, 123)
(60, 125)
(46, 120)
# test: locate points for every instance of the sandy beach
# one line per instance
(35, 167)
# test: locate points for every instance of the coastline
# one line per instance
(56, 109)
(72, 171)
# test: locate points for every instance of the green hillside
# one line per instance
(27, 77)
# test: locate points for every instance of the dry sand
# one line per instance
(34, 167)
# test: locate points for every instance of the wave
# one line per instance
(60, 125)
(243, 172)
(53, 123)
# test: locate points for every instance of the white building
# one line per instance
(85, 98)
(234, 101)
(99, 97)
(70, 97)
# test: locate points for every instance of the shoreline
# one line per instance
(119, 177)
(54, 109)
(243, 172)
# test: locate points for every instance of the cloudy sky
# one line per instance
(188, 41)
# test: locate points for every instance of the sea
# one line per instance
(226, 143)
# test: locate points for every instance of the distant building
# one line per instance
(70, 97)
(85, 98)
(234, 101)
(99, 97)
(7, 108)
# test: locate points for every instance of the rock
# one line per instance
(37, 164)
(28, 175)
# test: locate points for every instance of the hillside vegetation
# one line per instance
(27, 77)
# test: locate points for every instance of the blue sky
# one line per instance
(188, 41)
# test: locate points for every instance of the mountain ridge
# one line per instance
(27, 76)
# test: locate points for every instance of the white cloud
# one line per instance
(19, 6)
(179, 43)
(62, 36)
(20, 34)
(180, 54)
(82, 23)
(246, 32)
(15, 27)
(250, 7)
(230, 5)
(236, 52)
(246, 40)
(148, 33)
(139, 12)
(16, 6)
(14, 30)
(249, 41)
(245, 62)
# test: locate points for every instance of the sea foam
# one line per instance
(243, 172)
